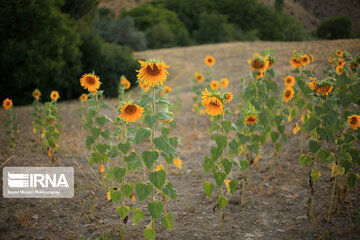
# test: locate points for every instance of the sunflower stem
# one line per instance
(242, 193)
(153, 149)
(331, 199)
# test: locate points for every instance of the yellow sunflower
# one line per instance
(214, 106)
(330, 60)
(259, 75)
(90, 82)
(339, 53)
(224, 82)
(83, 97)
(341, 62)
(270, 61)
(152, 72)
(313, 84)
(354, 121)
(325, 90)
(296, 62)
(258, 64)
(312, 58)
(199, 77)
(167, 89)
(228, 97)
(305, 60)
(131, 112)
(339, 70)
(209, 60)
(126, 83)
(214, 85)
(353, 64)
(36, 94)
(288, 94)
(205, 96)
(250, 119)
(54, 95)
(7, 103)
(289, 81)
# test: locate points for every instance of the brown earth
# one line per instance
(275, 205)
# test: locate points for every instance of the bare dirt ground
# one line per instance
(275, 205)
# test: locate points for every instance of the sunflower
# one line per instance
(312, 58)
(7, 103)
(270, 60)
(341, 62)
(209, 60)
(199, 77)
(83, 97)
(228, 97)
(339, 53)
(167, 89)
(224, 82)
(258, 64)
(126, 83)
(131, 112)
(152, 72)
(250, 119)
(289, 81)
(339, 70)
(214, 85)
(305, 60)
(54, 95)
(313, 84)
(205, 96)
(324, 90)
(259, 75)
(354, 121)
(214, 106)
(330, 59)
(296, 62)
(90, 82)
(288, 94)
(36, 94)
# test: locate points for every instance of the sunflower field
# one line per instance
(227, 141)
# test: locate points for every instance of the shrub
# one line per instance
(335, 28)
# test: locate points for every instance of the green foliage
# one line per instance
(335, 28)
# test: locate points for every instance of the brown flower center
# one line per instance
(152, 69)
(214, 104)
(90, 80)
(353, 120)
(251, 119)
(287, 94)
(209, 60)
(305, 59)
(8, 104)
(258, 64)
(131, 109)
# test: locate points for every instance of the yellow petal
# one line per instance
(159, 167)
(289, 118)
(49, 153)
(34, 130)
(108, 196)
(132, 197)
(227, 181)
(177, 162)
(42, 135)
(101, 168)
(257, 158)
(296, 128)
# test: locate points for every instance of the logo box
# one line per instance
(38, 182)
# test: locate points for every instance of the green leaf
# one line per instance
(227, 164)
(89, 141)
(226, 124)
(222, 201)
(219, 178)
(314, 146)
(115, 173)
(304, 160)
(170, 191)
(143, 190)
(142, 134)
(102, 120)
(150, 120)
(145, 99)
(274, 136)
(208, 188)
(167, 221)
(315, 174)
(253, 148)
(324, 155)
(174, 141)
(133, 161)
(352, 179)
(138, 215)
(158, 178)
(102, 148)
(214, 127)
(165, 131)
(278, 147)
(220, 140)
(149, 233)
(149, 158)
(233, 185)
(123, 211)
(127, 189)
(208, 163)
(244, 164)
(243, 138)
(155, 209)
(234, 147)
(124, 147)
(164, 145)
(115, 196)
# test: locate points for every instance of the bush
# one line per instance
(42, 53)
(335, 28)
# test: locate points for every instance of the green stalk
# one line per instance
(123, 140)
(153, 149)
(242, 193)
(249, 178)
(331, 200)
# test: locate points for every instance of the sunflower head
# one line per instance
(214, 106)
(354, 121)
(296, 62)
(270, 60)
(330, 60)
(258, 64)
(7, 103)
(259, 75)
(36, 94)
(131, 112)
(167, 89)
(353, 64)
(199, 77)
(250, 119)
(339, 53)
(224, 82)
(209, 60)
(214, 85)
(126, 83)
(54, 95)
(152, 72)
(341, 62)
(313, 84)
(324, 89)
(305, 60)
(288, 94)
(83, 97)
(289, 81)
(312, 58)
(91, 82)
(228, 97)
(339, 70)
